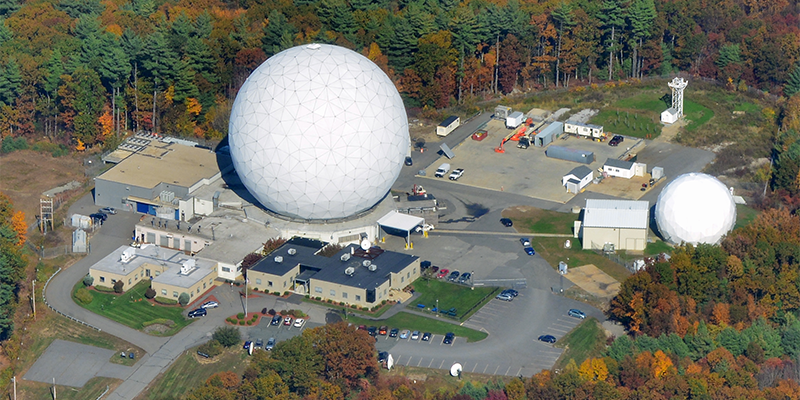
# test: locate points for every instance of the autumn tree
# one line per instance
(347, 353)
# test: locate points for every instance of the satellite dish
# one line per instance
(390, 362)
(365, 244)
(250, 349)
(455, 370)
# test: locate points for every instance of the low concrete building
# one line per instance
(670, 116)
(171, 272)
(353, 276)
(577, 179)
(621, 223)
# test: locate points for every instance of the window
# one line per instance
(408, 275)
(402, 279)
(164, 292)
(204, 285)
(129, 281)
(174, 294)
(344, 295)
(333, 293)
(113, 281)
(284, 283)
(269, 283)
(198, 290)
(358, 297)
(158, 273)
(102, 279)
(317, 289)
(258, 281)
(226, 269)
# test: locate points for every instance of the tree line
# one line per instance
(80, 72)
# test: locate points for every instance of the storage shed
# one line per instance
(451, 123)
(619, 223)
(577, 179)
(565, 153)
(501, 112)
(669, 116)
(548, 134)
(619, 168)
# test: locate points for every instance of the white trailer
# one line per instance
(585, 130)
(515, 119)
(450, 124)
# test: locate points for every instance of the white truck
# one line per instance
(442, 170)
(515, 119)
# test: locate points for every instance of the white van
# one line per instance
(443, 170)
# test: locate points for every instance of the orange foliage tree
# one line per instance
(20, 227)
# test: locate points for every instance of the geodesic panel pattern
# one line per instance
(695, 208)
(318, 132)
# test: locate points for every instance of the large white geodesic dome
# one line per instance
(318, 132)
(695, 208)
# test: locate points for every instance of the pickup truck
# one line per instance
(443, 170)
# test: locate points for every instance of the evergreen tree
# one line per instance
(5, 33)
(278, 33)
(612, 17)
(700, 343)
(728, 54)
(200, 59)
(8, 7)
(179, 33)
(733, 341)
(793, 82)
(184, 82)
(402, 45)
(10, 81)
(790, 339)
(203, 25)
(80, 8)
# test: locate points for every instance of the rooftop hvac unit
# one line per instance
(349, 271)
(345, 257)
(127, 255)
(373, 267)
(292, 251)
(366, 263)
(278, 259)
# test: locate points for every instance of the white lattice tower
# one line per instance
(677, 85)
(45, 213)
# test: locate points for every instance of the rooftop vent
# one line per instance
(345, 257)
(349, 271)
(314, 46)
(188, 266)
(292, 251)
(366, 263)
(278, 259)
(373, 267)
(127, 254)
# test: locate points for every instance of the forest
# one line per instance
(79, 73)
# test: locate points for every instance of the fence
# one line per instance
(44, 297)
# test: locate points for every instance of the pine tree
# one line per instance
(793, 83)
(7, 7)
(10, 80)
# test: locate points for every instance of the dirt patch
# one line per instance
(668, 132)
(158, 329)
(26, 174)
(522, 212)
(594, 281)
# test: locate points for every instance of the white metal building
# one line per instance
(669, 116)
(621, 223)
(577, 179)
(619, 168)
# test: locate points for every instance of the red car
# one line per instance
(287, 321)
(442, 273)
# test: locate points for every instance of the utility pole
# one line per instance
(33, 298)
(54, 389)
(14, 379)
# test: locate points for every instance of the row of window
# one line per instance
(269, 283)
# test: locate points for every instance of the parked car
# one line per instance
(457, 173)
(424, 265)
(529, 251)
(287, 321)
(426, 336)
(270, 344)
(362, 327)
(373, 331)
(299, 322)
(506, 222)
(393, 332)
(547, 338)
(574, 312)
(404, 334)
(434, 269)
(504, 297)
(616, 140)
(259, 343)
(200, 312)
(525, 242)
(383, 330)
(276, 320)
(210, 304)
(247, 345)
(448, 338)
(442, 273)
(383, 356)
(409, 161)
(464, 278)
(415, 335)
(453, 276)
(108, 210)
(99, 217)
(512, 292)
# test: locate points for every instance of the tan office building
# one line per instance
(621, 223)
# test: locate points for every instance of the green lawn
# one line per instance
(744, 215)
(696, 113)
(132, 309)
(465, 299)
(186, 373)
(650, 101)
(552, 250)
(587, 340)
(634, 123)
(747, 107)
(91, 390)
(404, 320)
(544, 221)
(657, 247)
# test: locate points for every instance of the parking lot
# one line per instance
(280, 332)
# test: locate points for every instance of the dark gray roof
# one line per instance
(573, 181)
(332, 269)
(580, 172)
(448, 121)
(613, 162)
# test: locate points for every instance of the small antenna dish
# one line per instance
(365, 244)
(455, 370)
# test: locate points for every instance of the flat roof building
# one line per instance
(621, 223)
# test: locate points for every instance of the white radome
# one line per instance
(695, 208)
(318, 132)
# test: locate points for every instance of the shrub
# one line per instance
(84, 296)
(271, 312)
(163, 321)
(277, 293)
(240, 315)
(184, 299)
(101, 288)
(227, 336)
(241, 322)
(364, 308)
(255, 289)
(286, 293)
(264, 311)
(149, 293)
(249, 323)
(284, 312)
(118, 286)
(353, 306)
(88, 280)
(213, 348)
(165, 301)
(330, 301)
(231, 320)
